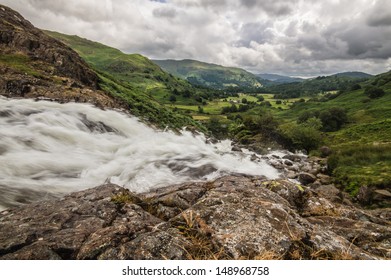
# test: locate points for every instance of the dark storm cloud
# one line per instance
(380, 15)
(367, 42)
(272, 7)
(384, 20)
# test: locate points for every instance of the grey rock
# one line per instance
(306, 178)
(233, 217)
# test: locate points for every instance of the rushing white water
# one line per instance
(48, 148)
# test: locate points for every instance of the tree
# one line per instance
(303, 136)
(218, 129)
(244, 100)
(374, 92)
(333, 118)
(355, 87)
(172, 98)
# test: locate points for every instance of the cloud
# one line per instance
(380, 15)
(164, 12)
(296, 37)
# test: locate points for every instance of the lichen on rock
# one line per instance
(233, 217)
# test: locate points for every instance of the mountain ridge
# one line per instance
(209, 74)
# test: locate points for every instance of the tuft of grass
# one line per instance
(362, 164)
(195, 230)
(21, 63)
(124, 198)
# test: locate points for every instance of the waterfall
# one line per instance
(48, 149)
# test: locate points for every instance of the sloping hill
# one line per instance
(354, 74)
(209, 75)
(321, 84)
(362, 147)
(279, 79)
(134, 70)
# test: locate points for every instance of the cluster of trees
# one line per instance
(314, 86)
(331, 119)
(234, 109)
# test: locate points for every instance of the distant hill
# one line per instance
(354, 74)
(209, 75)
(279, 79)
(321, 84)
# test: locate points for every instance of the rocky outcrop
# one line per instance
(34, 65)
(17, 35)
(234, 217)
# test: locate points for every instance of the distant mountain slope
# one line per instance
(354, 74)
(279, 79)
(210, 75)
(321, 84)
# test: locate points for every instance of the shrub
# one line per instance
(333, 119)
(374, 92)
(218, 129)
(303, 136)
(172, 98)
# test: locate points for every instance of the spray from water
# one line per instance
(50, 149)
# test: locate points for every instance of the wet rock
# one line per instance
(306, 178)
(288, 162)
(291, 175)
(292, 157)
(254, 157)
(235, 148)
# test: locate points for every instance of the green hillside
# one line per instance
(134, 70)
(362, 147)
(209, 75)
(321, 84)
(135, 80)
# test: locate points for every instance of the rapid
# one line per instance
(49, 149)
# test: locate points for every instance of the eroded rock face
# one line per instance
(34, 65)
(234, 217)
(19, 35)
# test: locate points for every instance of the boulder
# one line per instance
(306, 178)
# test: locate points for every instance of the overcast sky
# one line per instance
(292, 37)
